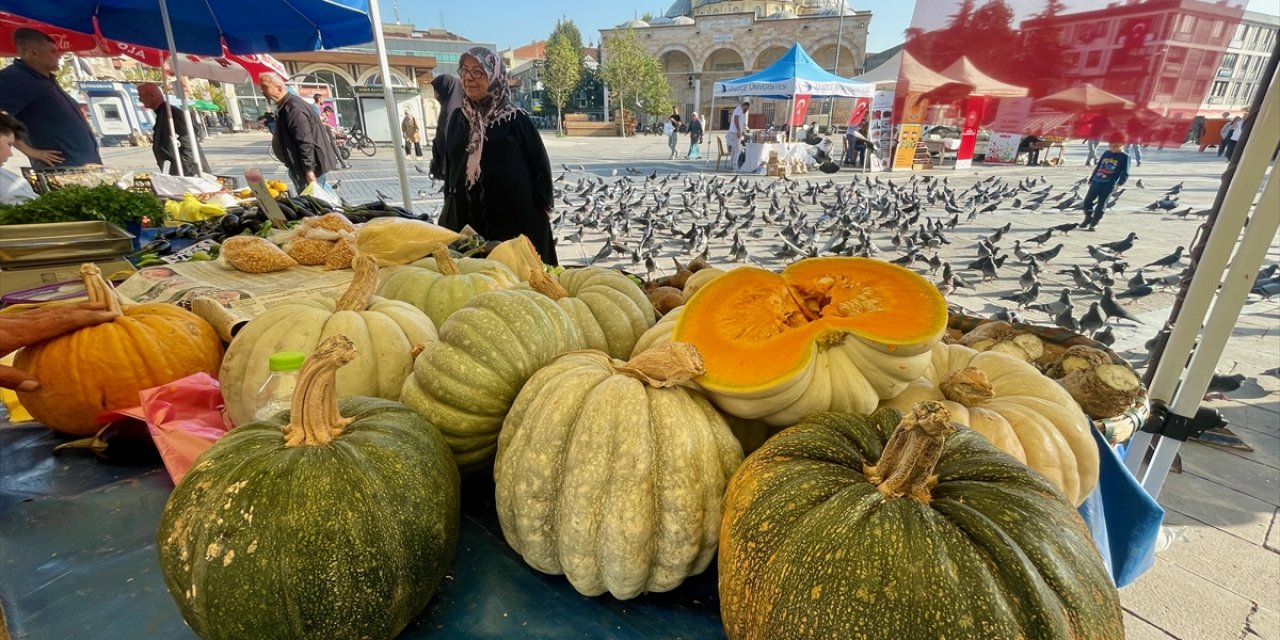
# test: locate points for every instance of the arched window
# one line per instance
(344, 95)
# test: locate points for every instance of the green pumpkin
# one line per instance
(388, 332)
(610, 310)
(843, 527)
(465, 382)
(338, 523)
(440, 285)
(612, 473)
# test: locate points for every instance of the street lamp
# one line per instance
(831, 102)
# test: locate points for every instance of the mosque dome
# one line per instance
(682, 21)
(661, 21)
(680, 8)
(784, 14)
(634, 23)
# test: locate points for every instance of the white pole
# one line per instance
(182, 97)
(831, 102)
(393, 109)
(1231, 217)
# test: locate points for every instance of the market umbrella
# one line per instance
(964, 71)
(241, 26)
(1084, 97)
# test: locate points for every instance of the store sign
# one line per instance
(905, 154)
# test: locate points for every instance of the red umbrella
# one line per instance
(228, 68)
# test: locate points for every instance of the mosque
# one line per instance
(700, 42)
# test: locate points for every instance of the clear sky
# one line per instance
(511, 23)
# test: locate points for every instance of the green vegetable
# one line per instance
(74, 203)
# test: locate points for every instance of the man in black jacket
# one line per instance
(301, 140)
(161, 144)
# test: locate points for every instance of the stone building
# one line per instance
(700, 42)
(1240, 73)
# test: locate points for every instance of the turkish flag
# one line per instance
(860, 108)
(802, 109)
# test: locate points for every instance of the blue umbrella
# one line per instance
(247, 26)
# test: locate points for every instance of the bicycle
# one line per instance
(357, 138)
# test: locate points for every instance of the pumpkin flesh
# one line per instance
(826, 334)
(970, 548)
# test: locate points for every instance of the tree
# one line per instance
(563, 69)
(655, 93)
(624, 69)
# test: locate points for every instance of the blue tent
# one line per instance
(795, 73)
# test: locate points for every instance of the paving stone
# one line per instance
(1273, 533)
(1136, 628)
(1247, 476)
(1185, 605)
(1216, 505)
(1245, 569)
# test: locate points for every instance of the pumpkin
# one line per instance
(465, 382)
(1020, 410)
(699, 279)
(827, 334)
(519, 255)
(103, 368)
(885, 527)
(440, 285)
(390, 332)
(608, 308)
(612, 474)
(328, 521)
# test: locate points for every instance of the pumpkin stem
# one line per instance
(667, 365)
(445, 263)
(358, 296)
(906, 466)
(315, 419)
(969, 386)
(543, 283)
(98, 289)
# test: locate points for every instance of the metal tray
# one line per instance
(56, 242)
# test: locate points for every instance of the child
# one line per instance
(13, 189)
(1112, 170)
(671, 129)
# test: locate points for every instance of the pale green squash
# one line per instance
(440, 285)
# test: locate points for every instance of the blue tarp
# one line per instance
(795, 73)
(247, 26)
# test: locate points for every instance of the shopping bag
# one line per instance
(323, 194)
(185, 417)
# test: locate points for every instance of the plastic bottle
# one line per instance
(276, 394)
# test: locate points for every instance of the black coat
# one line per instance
(301, 140)
(513, 195)
(162, 146)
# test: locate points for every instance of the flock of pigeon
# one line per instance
(638, 221)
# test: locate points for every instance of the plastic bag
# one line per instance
(185, 417)
(400, 240)
(323, 194)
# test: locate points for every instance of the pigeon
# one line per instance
(1092, 320)
(1220, 385)
(1120, 246)
(1066, 228)
(603, 253)
(1169, 260)
(1100, 255)
(1113, 308)
(1066, 320)
(1042, 238)
(1139, 184)
(1047, 256)
(335, 185)
(1105, 337)
(381, 195)
(417, 167)
(1028, 278)
(1024, 298)
(1139, 291)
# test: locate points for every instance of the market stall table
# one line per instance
(757, 154)
(78, 559)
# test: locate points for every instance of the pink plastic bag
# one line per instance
(184, 417)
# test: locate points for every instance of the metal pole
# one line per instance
(392, 108)
(182, 97)
(831, 102)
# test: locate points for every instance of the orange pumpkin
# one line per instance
(102, 368)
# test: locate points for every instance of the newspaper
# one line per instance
(239, 296)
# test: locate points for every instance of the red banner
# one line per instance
(802, 109)
(859, 113)
(974, 107)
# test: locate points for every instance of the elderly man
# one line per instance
(169, 118)
(57, 133)
(301, 140)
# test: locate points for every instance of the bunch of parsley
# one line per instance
(75, 203)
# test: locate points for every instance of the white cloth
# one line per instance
(1234, 133)
(668, 128)
(738, 116)
(14, 189)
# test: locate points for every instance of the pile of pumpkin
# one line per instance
(899, 486)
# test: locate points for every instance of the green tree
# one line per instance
(627, 70)
(140, 74)
(655, 94)
(563, 69)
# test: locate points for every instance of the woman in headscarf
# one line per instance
(496, 166)
(449, 95)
